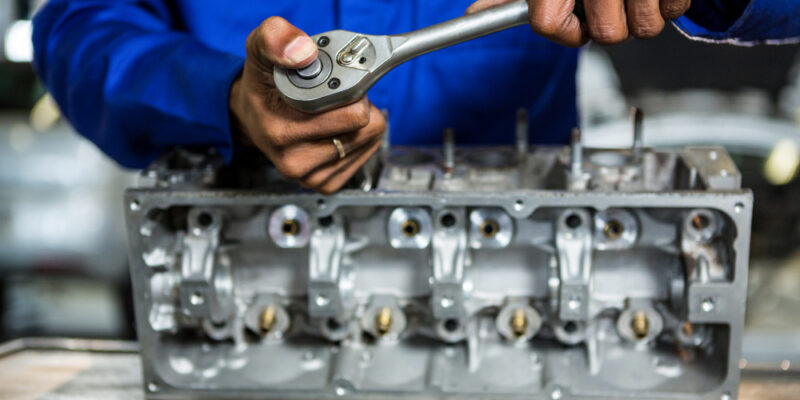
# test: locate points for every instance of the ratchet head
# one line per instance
(347, 65)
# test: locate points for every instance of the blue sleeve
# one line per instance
(131, 83)
(743, 21)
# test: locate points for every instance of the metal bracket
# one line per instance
(714, 166)
(449, 256)
(574, 250)
(205, 288)
(325, 299)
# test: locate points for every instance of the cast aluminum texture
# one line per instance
(486, 273)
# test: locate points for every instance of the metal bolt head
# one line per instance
(707, 305)
(197, 299)
(574, 303)
(334, 83)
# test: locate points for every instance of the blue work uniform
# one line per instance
(138, 77)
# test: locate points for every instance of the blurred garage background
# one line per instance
(63, 268)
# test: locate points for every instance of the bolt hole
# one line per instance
(333, 324)
(570, 327)
(135, 205)
(519, 205)
(325, 221)
(334, 83)
(321, 203)
(451, 325)
(204, 220)
(613, 230)
(410, 228)
(573, 221)
(323, 41)
(701, 222)
(489, 228)
(290, 227)
(448, 220)
(362, 60)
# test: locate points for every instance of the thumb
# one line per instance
(277, 42)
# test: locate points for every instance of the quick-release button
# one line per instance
(311, 71)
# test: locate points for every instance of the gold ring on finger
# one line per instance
(339, 148)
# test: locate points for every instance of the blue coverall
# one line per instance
(138, 77)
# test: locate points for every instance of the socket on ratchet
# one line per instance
(349, 63)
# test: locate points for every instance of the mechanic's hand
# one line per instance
(300, 145)
(607, 21)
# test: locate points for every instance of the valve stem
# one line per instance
(637, 118)
(267, 320)
(518, 323)
(640, 325)
(576, 153)
(522, 133)
(449, 150)
(383, 321)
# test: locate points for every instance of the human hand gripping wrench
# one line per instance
(349, 63)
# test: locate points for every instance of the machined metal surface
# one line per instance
(500, 272)
(58, 368)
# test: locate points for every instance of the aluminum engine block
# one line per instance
(492, 273)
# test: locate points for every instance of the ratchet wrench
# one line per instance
(349, 63)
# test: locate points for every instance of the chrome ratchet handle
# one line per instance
(461, 29)
(349, 63)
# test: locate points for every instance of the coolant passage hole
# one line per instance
(451, 325)
(325, 221)
(573, 221)
(448, 220)
(570, 327)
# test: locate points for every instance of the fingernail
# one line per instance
(300, 49)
